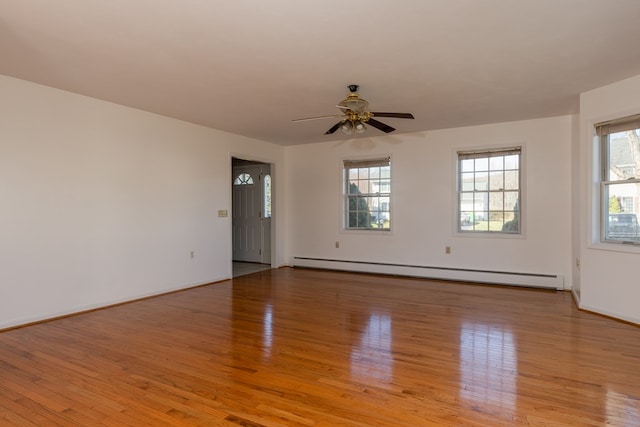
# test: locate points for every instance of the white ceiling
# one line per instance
(251, 66)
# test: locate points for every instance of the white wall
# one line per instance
(423, 173)
(101, 203)
(576, 186)
(609, 276)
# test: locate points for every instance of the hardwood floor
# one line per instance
(242, 268)
(316, 348)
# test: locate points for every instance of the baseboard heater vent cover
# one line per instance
(537, 280)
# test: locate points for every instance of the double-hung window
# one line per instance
(620, 179)
(489, 183)
(367, 194)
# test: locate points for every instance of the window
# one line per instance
(243, 179)
(267, 196)
(489, 191)
(620, 179)
(367, 194)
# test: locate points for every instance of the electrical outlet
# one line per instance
(337, 245)
(192, 255)
(447, 249)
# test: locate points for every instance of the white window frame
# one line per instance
(344, 182)
(603, 130)
(495, 150)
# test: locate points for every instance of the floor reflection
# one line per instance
(622, 410)
(372, 358)
(267, 332)
(488, 366)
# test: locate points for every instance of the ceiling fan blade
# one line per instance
(396, 115)
(333, 128)
(306, 119)
(379, 125)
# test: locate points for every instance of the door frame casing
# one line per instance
(274, 213)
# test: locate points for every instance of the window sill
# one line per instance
(630, 248)
(371, 232)
(488, 235)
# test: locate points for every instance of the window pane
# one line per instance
(621, 164)
(512, 162)
(496, 163)
(621, 219)
(510, 200)
(243, 179)
(496, 181)
(466, 220)
(466, 182)
(620, 196)
(511, 181)
(482, 164)
(489, 190)
(367, 201)
(482, 181)
(496, 220)
(466, 165)
(267, 196)
(481, 223)
(480, 201)
(496, 201)
(385, 203)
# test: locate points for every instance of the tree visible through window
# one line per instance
(489, 191)
(620, 179)
(367, 192)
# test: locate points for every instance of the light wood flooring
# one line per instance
(298, 347)
(242, 268)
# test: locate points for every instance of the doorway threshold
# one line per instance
(243, 268)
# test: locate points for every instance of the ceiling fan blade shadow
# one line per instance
(333, 128)
(395, 115)
(379, 125)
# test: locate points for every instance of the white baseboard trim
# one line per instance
(547, 281)
(71, 311)
(597, 310)
(576, 297)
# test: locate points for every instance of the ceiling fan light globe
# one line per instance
(359, 127)
(347, 127)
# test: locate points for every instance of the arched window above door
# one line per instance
(243, 179)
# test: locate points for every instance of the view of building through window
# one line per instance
(367, 194)
(489, 191)
(620, 182)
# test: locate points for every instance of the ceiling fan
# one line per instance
(355, 115)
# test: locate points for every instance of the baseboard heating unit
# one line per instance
(537, 280)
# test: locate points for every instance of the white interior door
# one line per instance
(247, 218)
